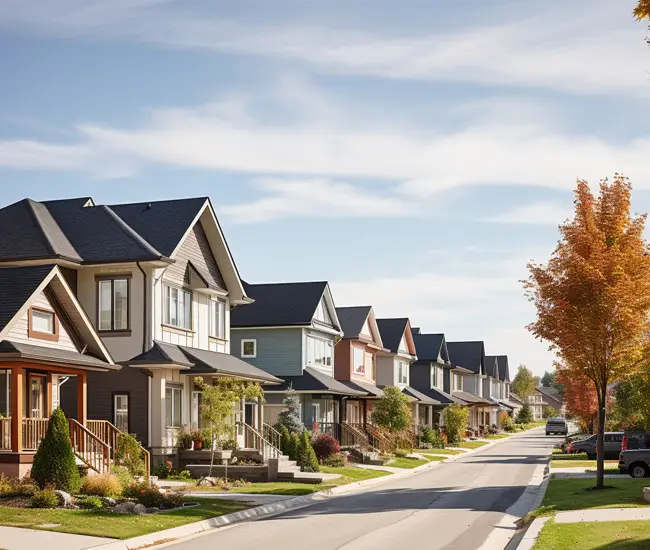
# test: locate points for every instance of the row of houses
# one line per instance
(110, 311)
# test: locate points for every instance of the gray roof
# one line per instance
(420, 397)
(504, 369)
(314, 381)
(470, 355)
(17, 284)
(444, 397)
(12, 350)
(429, 346)
(491, 365)
(201, 361)
(352, 320)
(279, 304)
(367, 387)
(392, 331)
(471, 398)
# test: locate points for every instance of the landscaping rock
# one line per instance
(120, 509)
(140, 509)
(65, 499)
(129, 506)
(207, 482)
(153, 510)
(108, 501)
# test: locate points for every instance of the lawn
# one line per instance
(410, 463)
(623, 535)
(110, 525)
(582, 464)
(348, 475)
(472, 444)
(574, 494)
(439, 452)
(496, 436)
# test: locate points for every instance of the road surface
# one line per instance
(455, 506)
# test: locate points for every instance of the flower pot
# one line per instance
(198, 444)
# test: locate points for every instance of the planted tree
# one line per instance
(219, 401)
(593, 295)
(549, 412)
(456, 420)
(307, 459)
(289, 417)
(525, 415)
(54, 462)
(393, 411)
(524, 383)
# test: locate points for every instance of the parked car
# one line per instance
(613, 445)
(557, 426)
(636, 463)
(636, 440)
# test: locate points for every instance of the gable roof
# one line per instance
(492, 366)
(429, 346)
(352, 320)
(17, 285)
(392, 331)
(279, 305)
(552, 393)
(314, 381)
(504, 369)
(470, 355)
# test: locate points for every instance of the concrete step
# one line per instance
(301, 477)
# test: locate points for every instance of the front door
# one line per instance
(37, 396)
(249, 414)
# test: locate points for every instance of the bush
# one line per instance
(147, 495)
(456, 419)
(401, 453)
(129, 454)
(173, 499)
(285, 438)
(45, 498)
(105, 485)
(163, 469)
(124, 476)
(54, 462)
(493, 430)
(91, 503)
(307, 459)
(393, 411)
(432, 438)
(325, 446)
(293, 447)
(506, 422)
(11, 487)
(290, 414)
(525, 415)
(185, 475)
(337, 460)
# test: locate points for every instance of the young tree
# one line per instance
(548, 380)
(525, 415)
(219, 401)
(593, 296)
(524, 383)
(456, 420)
(549, 412)
(393, 411)
(289, 417)
(307, 459)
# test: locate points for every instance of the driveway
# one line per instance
(455, 506)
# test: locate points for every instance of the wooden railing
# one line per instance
(355, 438)
(254, 440)
(5, 434)
(91, 450)
(34, 430)
(272, 435)
(382, 441)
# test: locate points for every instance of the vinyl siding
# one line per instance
(420, 375)
(279, 351)
(386, 371)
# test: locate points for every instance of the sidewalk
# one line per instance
(15, 538)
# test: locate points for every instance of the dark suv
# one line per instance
(613, 445)
(557, 426)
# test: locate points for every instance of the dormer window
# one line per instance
(43, 324)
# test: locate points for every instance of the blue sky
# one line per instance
(414, 153)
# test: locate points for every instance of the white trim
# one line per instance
(248, 341)
(272, 328)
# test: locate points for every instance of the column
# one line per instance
(158, 412)
(17, 394)
(82, 398)
(50, 400)
(260, 416)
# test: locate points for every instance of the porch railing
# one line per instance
(89, 448)
(109, 434)
(353, 436)
(331, 428)
(255, 440)
(34, 430)
(272, 435)
(5, 434)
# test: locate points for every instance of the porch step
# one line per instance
(308, 478)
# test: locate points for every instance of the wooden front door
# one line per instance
(37, 394)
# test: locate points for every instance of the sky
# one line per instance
(416, 154)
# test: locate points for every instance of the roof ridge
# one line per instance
(130, 231)
(30, 204)
(38, 218)
(180, 199)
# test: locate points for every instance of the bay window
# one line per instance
(359, 365)
(319, 352)
(177, 304)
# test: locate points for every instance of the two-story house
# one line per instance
(290, 331)
(394, 368)
(554, 399)
(471, 356)
(355, 361)
(158, 281)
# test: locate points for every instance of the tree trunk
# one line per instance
(600, 447)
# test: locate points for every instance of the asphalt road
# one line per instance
(455, 506)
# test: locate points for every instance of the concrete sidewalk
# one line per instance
(14, 538)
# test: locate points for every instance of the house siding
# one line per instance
(420, 375)
(343, 360)
(279, 351)
(386, 370)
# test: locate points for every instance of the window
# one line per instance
(436, 376)
(218, 319)
(359, 365)
(177, 307)
(43, 324)
(370, 364)
(113, 303)
(458, 382)
(173, 406)
(319, 352)
(402, 373)
(121, 411)
(249, 348)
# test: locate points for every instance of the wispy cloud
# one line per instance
(540, 213)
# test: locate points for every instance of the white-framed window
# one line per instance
(249, 349)
(177, 306)
(319, 352)
(121, 411)
(359, 358)
(43, 321)
(402, 372)
(218, 319)
(458, 382)
(113, 303)
(173, 406)
(437, 375)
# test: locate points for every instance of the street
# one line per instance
(453, 506)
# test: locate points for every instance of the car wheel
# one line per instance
(639, 470)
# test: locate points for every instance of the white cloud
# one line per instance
(540, 213)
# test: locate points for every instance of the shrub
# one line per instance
(129, 454)
(11, 487)
(337, 460)
(493, 430)
(163, 469)
(307, 459)
(525, 415)
(290, 415)
(325, 446)
(174, 499)
(285, 438)
(401, 453)
(456, 419)
(105, 485)
(147, 495)
(54, 462)
(185, 475)
(432, 438)
(45, 498)
(506, 422)
(90, 503)
(294, 447)
(124, 476)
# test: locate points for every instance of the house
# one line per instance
(493, 387)
(537, 401)
(513, 406)
(290, 332)
(46, 339)
(432, 372)
(158, 281)
(554, 399)
(355, 363)
(471, 356)
(394, 366)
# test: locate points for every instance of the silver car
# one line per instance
(636, 463)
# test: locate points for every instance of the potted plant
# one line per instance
(185, 439)
(197, 439)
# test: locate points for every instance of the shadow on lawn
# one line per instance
(626, 545)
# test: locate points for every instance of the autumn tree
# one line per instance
(593, 295)
(524, 383)
(642, 10)
(580, 398)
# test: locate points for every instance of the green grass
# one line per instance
(574, 494)
(582, 464)
(410, 463)
(620, 535)
(568, 456)
(496, 436)
(472, 444)
(439, 452)
(116, 526)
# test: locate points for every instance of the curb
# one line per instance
(276, 508)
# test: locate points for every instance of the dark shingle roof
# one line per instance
(367, 387)
(470, 355)
(428, 346)
(313, 381)
(162, 223)
(504, 369)
(419, 396)
(443, 397)
(392, 331)
(352, 320)
(53, 355)
(17, 284)
(491, 365)
(281, 304)
(471, 398)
